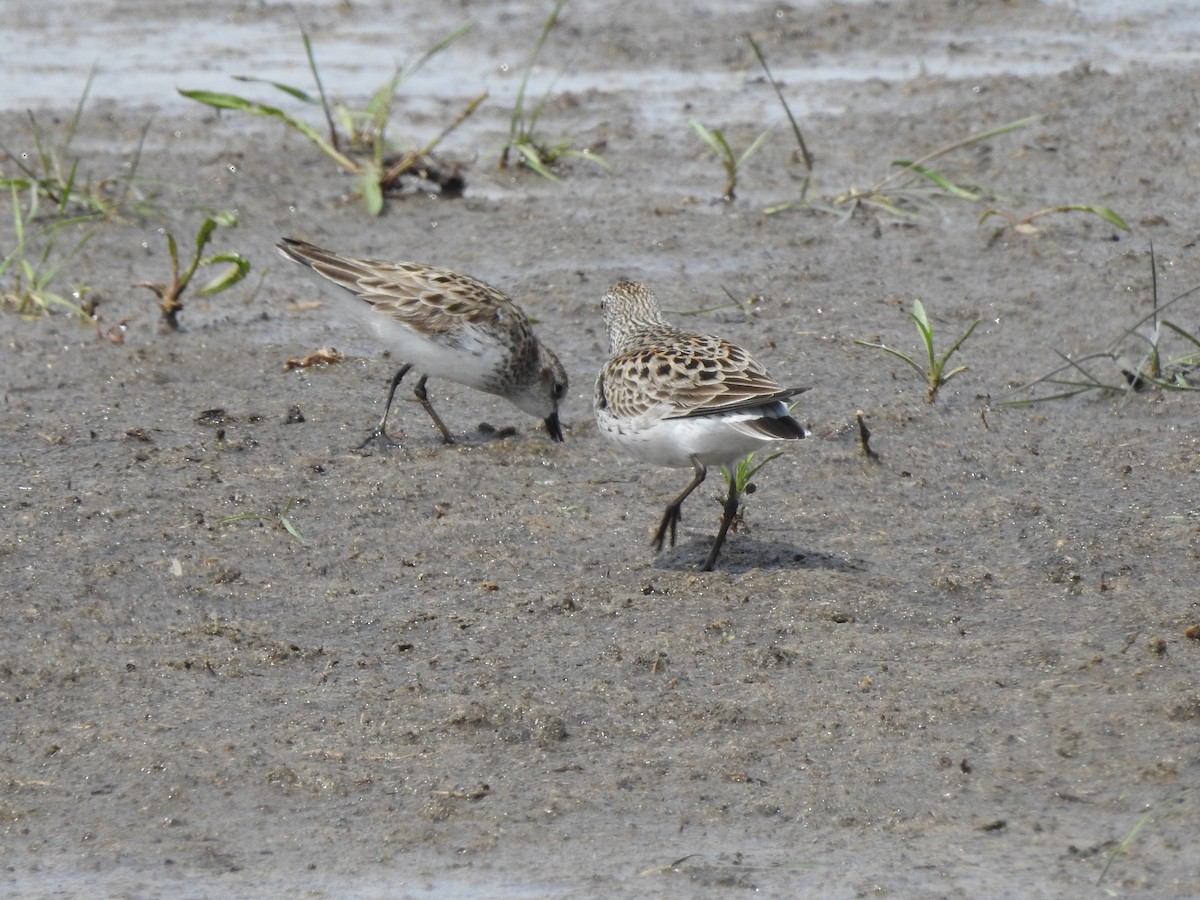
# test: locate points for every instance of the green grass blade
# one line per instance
(895, 353)
(204, 235)
(219, 100)
(1110, 215)
(68, 188)
(240, 517)
(1186, 335)
(949, 148)
(238, 268)
(173, 252)
(926, 330)
(954, 347)
(370, 187)
(808, 161)
(1102, 211)
(450, 39)
(940, 180)
(316, 74)
(73, 127)
(588, 155)
(533, 159)
(750, 471)
(517, 122)
(1138, 826)
(753, 148)
(709, 137)
(45, 160)
(918, 313)
(297, 93)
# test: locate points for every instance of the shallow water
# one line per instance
(49, 51)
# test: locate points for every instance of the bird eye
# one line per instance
(560, 390)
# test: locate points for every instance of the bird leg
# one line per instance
(379, 437)
(674, 512)
(419, 391)
(731, 508)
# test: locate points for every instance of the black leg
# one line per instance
(419, 390)
(379, 436)
(731, 508)
(674, 512)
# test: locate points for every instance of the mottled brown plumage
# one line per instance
(679, 399)
(446, 325)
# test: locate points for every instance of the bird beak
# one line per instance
(553, 428)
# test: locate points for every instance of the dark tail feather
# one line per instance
(784, 427)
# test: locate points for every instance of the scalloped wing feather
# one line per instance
(696, 376)
(426, 298)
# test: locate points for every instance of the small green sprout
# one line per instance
(532, 152)
(738, 479)
(746, 468)
(935, 375)
(33, 269)
(281, 518)
(1139, 825)
(731, 161)
(170, 296)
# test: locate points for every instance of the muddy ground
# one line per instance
(962, 670)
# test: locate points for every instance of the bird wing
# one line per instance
(427, 298)
(690, 375)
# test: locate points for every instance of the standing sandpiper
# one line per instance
(678, 399)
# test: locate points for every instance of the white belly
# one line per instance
(714, 440)
(466, 355)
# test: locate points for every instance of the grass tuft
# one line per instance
(531, 151)
(1148, 366)
(732, 162)
(934, 372)
(170, 294)
(51, 172)
(36, 261)
(357, 138)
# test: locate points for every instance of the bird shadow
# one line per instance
(746, 554)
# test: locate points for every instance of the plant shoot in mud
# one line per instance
(52, 173)
(914, 190)
(1141, 823)
(361, 147)
(934, 373)
(280, 519)
(170, 295)
(1024, 224)
(35, 261)
(801, 147)
(747, 467)
(732, 162)
(533, 152)
(1149, 366)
